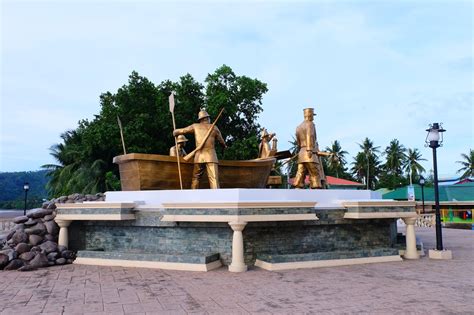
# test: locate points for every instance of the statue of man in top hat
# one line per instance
(206, 157)
(308, 159)
(181, 142)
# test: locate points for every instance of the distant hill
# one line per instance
(11, 188)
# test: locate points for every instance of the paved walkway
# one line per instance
(415, 287)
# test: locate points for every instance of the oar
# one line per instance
(171, 101)
(121, 134)
(191, 154)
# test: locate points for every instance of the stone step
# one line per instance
(327, 259)
(377, 252)
(191, 262)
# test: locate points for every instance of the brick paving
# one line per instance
(410, 287)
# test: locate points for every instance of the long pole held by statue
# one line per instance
(171, 101)
(121, 134)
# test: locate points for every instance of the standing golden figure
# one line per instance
(308, 159)
(264, 149)
(181, 142)
(205, 158)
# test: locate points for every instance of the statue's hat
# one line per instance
(309, 111)
(202, 114)
(181, 139)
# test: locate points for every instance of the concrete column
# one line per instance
(238, 264)
(63, 238)
(410, 252)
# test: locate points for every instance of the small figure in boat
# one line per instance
(308, 158)
(264, 149)
(181, 142)
(206, 157)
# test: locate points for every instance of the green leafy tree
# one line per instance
(371, 163)
(467, 163)
(412, 164)
(84, 157)
(336, 162)
(392, 170)
(395, 157)
(241, 98)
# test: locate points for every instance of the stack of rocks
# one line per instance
(33, 243)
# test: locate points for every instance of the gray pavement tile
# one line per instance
(410, 287)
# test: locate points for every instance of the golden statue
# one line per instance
(205, 158)
(308, 159)
(264, 149)
(181, 142)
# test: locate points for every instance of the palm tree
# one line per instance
(336, 160)
(359, 167)
(369, 151)
(412, 165)
(395, 157)
(467, 165)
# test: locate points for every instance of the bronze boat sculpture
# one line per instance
(159, 172)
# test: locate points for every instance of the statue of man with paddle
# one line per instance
(205, 157)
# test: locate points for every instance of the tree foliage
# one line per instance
(467, 162)
(84, 157)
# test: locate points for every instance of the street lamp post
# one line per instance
(422, 184)
(26, 187)
(434, 139)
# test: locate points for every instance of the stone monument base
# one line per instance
(274, 229)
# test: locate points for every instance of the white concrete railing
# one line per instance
(6, 226)
(425, 220)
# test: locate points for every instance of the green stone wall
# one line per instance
(148, 234)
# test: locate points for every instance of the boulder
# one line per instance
(90, 197)
(11, 253)
(27, 256)
(62, 199)
(36, 249)
(49, 217)
(52, 227)
(14, 264)
(19, 237)
(51, 206)
(52, 256)
(48, 247)
(31, 222)
(22, 248)
(21, 219)
(38, 229)
(39, 261)
(69, 261)
(60, 261)
(39, 213)
(4, 261)
(35, 239)
(51, 263)
(27, 268)
(9, 235)
(61, 248)
(68, 254)
(49, 237)
(20, 227)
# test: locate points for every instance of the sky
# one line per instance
(377, 69)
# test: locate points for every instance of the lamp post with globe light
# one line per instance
(26, 187)
(434, 139)
(422, 185)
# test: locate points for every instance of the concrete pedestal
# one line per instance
(410, 252)
(440, 254)
(237, 264)
(63, 238)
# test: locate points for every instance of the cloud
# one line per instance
(381, 71)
